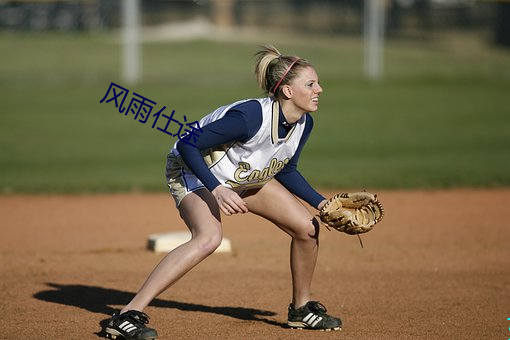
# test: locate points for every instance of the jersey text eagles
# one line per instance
(241, 174)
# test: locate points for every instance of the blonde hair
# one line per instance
(273, 69)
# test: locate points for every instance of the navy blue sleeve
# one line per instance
(240, 123)
(292, 179)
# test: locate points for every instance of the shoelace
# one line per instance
(316, 306)
(139, 316)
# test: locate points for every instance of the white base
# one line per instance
(166, 242)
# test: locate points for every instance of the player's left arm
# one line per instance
(292, 179)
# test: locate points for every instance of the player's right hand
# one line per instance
(229, 201)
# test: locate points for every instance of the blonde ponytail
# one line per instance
(272, 69)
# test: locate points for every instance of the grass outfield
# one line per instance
(440, 118)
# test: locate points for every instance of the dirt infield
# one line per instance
(437, 267)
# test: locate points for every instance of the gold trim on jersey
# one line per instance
(274, 125)
(275, 139)
(211, 156)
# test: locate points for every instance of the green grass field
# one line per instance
(440, 118)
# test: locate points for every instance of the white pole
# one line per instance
(374, 38)
(131, 62)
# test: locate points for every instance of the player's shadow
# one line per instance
(99, 300)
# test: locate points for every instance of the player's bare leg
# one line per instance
(200, 212)
(278, 205)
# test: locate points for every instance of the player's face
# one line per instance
(306, 90)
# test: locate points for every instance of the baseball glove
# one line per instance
(352, 213)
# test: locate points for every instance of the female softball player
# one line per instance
(245, 160)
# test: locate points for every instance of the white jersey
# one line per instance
(253, 163)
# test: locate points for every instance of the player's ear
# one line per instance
(287, 91)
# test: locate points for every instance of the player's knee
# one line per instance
(309, 231)
(208, 243)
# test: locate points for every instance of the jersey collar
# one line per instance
(277, 114)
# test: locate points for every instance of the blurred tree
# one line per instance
(223, 13)
(502, 24)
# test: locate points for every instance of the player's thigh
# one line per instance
(275, 203)
(201, 213)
